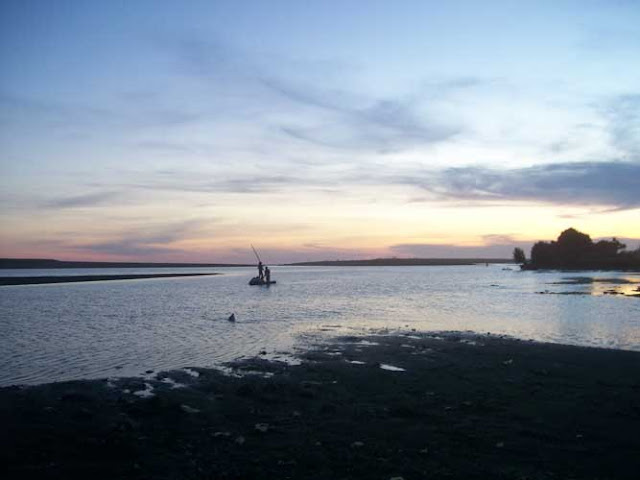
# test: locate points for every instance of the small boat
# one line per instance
(259, 281)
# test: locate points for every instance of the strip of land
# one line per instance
(19, 263)
(92, 278)
(395, 262)
(449, 406)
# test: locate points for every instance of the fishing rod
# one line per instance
(257, 256)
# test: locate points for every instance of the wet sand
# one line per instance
(92, 278)
(411, 406)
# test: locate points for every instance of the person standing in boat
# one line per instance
(260, 272)
(267, 274)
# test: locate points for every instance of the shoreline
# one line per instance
(40, 280)
(403, 262)
(445, 405)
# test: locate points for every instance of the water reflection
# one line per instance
(591, 285)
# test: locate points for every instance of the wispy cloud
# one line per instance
(623, 113)
(86, 200)
(384, 126)
(127, 249)
(308, 252)
(68, 116)
(432, 250)
(603, 186)
(324, 116)
(614, 184)
(149, 241)
(199, 183)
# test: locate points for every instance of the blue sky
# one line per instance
(186, 130)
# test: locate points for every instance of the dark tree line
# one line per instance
(576, 250)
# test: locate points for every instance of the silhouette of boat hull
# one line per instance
(257, 281)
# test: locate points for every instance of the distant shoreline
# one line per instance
(401, 262)
(4, 281)
(20, 263)
(40, 263)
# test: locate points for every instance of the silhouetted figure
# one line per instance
(260, 272)
(267, 274)
(232, 317)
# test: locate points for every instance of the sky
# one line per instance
(187, 131)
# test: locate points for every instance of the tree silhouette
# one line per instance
(519, 256)
(574, 249)
(573, 246)
(544, 254)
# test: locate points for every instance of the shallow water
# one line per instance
(119, 328)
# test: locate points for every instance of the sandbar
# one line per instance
(35, 280)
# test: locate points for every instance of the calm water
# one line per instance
(117, 328)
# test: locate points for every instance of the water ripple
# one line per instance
(92, 330)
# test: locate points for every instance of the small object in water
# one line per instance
(391, 368)
(188, 409)
(262, 427)
(232, 317)
(260, 281)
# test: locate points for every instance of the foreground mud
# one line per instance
(410, 406)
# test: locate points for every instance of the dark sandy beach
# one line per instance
(463, 407)
(36, 280)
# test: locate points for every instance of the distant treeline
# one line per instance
(49, 263)
(576, 250)
(395, 262)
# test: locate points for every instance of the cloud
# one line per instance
(379, 124)
(148, 241)
(86, 200)
(432, 250)
(493, 246)
(124, 248)
(305, 253)
(614, 184)
(603, 186)
(199, 183)
(498, 239)
(70, 116)
(325, 116)
(623, 113)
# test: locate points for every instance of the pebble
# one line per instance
(262, 427)
(188, 409)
